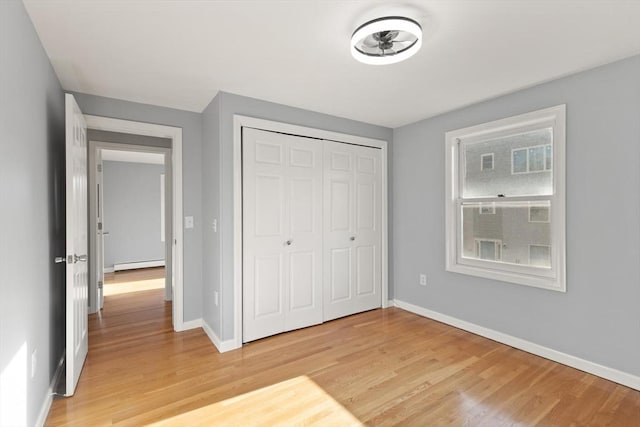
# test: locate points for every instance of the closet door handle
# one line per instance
(352, 238)
(288, 242)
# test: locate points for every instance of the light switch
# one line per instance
(214, 225)
(188, 222)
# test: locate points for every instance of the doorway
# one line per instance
(130, 216)
(173, 207)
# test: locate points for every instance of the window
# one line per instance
(523, 239)
(531, 159)
(487, 209)
(488, 249)
(486, 162)
(540, 255)
(539, 213)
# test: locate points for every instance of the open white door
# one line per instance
(77, 295)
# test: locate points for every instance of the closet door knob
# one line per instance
(288, 242)
(352, 238)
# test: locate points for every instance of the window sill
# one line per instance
(552, 283)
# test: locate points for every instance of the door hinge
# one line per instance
(99, 226)
(99, 284)
(99, 168)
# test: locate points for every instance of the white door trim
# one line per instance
(239, 122)
(175, 134)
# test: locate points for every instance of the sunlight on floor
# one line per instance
(298, 401)
(133, 286)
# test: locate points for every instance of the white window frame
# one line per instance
(553, 278)
(482, 168)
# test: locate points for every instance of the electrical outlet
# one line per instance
(188, 222)
(34, 362)
(423, 279)
(215, 298)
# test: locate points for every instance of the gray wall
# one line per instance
(191, 124)
(598, 319)
(32, 214)
(218, 192)
(131, 212)
(211, 189)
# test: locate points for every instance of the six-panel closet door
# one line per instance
(312, 231)
(282, 232)
(352, 229)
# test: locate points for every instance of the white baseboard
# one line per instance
(48, 400)
(605, 372)
(139, 264)
(108, 270)
(191, 324)
(222, 346)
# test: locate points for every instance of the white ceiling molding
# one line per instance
(179, 54)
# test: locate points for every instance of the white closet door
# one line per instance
(282, 233)
(352, 229)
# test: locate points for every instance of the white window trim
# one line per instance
(552, 279)
(540, 222)
(482, 168)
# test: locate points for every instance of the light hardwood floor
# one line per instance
(383, 367)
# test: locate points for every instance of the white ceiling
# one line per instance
(133, 156)
(181, 53)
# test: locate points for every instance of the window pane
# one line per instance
(520, 166)
(536, 159)
(487, 249)
(487, 209)
(507, 235)
(540, 255)
(487, 162)
(519, 161)
(539, 213)
(548, 157)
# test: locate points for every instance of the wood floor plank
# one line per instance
(382, 367)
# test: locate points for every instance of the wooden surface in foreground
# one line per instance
(383, 367)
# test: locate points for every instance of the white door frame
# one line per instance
(175, 134)
(239, 122)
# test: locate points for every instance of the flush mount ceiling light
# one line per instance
(386, 40)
